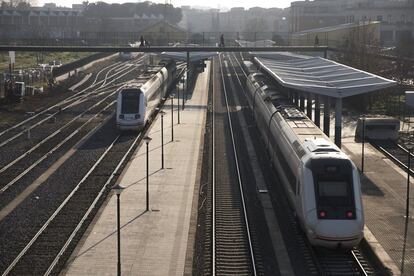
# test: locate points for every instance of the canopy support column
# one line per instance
(290, 94)
(296, 99)
(309, 106)
(338, 122)
(187, 85)
(326, 108)
(317, 111)
(302, 102)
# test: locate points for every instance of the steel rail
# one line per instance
(57, 211)
(74, 103)
(73, 97)
(392, 157)
(92, 206)
(44, 140)
(361, 269)
(106, 68)
(213, 165)
(359, 266)
(37, 162)
(239, 180)
(70, 99)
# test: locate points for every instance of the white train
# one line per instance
(321, 181)
(378, 128)
(137, 100)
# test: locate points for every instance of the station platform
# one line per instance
(384, 197)
(159, 241)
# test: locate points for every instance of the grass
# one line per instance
(28, 59)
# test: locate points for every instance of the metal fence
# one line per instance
(155, 39)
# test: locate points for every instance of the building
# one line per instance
(361, 33)
(162, 33)
(39, 23)
(237, 23)
(54, 24)
(396, 17)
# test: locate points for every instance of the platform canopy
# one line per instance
(319, 76)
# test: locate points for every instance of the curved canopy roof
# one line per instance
(320, 76)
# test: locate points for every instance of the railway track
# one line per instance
(22, 162)
(51, 222)
(318, 261)
(231, 250)
(54, 239)
(40, 131)
(396, 152)
(36, 119)
(44, 252)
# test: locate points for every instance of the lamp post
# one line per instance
(172, 117)
(118, 190)
(178, 104)
(147, 140)
(162, 138)
(182, 81)
(409, 147)
(363, 144)
(407, 202)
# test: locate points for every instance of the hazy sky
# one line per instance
(210, 3)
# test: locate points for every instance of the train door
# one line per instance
(298, 195)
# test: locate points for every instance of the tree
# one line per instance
(5, 5)
(404, 52)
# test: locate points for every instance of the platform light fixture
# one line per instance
(409, 147)
(162, 112)
(172, 117)
(178, 104)
(118, 190)
(147, 140)
(363, 143)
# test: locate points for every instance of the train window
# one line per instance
(333, 188)
(381, 127)
(130, 102)
(331, 169)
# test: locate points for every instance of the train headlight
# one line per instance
(137, 116)
(349, 214)
(121, 116)
(322, 214)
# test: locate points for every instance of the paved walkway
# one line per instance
(155, 242)
(384, 193)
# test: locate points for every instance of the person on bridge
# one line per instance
(316, 40)
(141, 39)
(221, 40)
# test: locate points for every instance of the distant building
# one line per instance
(396, 17)
(162, 33)
(339, 35)
(57, 23)
(237, 23)
(39, 23)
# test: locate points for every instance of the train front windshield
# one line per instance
(334, 189)
(130, 101)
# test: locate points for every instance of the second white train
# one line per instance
(321, 181)
(137, 101)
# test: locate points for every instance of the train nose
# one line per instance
(334, 233)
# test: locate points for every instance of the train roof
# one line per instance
(143, 77)
(303, 128)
